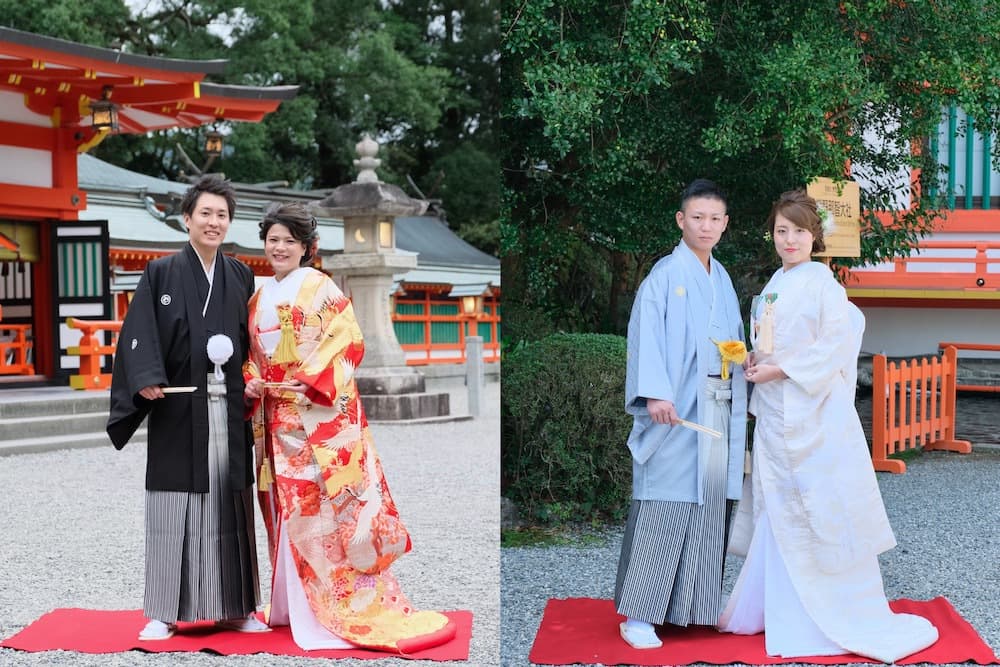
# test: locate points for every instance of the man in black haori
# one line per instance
(201, 561)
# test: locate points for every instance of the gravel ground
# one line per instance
(945, 511)
(73, 535)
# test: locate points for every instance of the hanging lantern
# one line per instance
(472, 305)
(104, 114)
(213, 143)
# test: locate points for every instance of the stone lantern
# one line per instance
(369, 208)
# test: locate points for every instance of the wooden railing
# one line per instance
(15, 348)
(913, 405)
(453, 352)
(91, 351)
(970, 272)
(979, 347)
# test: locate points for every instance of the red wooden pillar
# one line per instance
(45, 325)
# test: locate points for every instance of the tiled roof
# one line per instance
(117, 195)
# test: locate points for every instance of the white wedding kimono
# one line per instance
(811, 579)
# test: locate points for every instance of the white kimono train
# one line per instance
(811, 579)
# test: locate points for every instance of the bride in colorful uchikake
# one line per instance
(333, 528)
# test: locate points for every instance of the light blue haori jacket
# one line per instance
(670, 356)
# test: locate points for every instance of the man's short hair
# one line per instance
(702, 187)
(212, 184)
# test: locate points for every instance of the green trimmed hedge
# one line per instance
(564, 429)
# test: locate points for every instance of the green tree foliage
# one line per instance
(418, 75)
(609, 109)
(66, 19)
(458, 161)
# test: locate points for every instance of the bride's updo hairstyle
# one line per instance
(799, 209)
(299, 222)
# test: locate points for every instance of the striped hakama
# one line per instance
(201, 557)
(670, 570)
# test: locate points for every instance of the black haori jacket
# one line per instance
(163, 342)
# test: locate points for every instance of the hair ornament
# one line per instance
(826, 219)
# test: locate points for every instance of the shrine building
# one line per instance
(58, 99)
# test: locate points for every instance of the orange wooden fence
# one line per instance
(980, 347)
(15, 349)
(91, 350)
(913, 405)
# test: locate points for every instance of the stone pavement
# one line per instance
(73, 533)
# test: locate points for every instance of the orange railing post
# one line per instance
(90, 350)
(913, 405)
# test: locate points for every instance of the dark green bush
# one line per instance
(524, 323)
(564, 429)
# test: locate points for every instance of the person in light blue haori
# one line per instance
(684, 481)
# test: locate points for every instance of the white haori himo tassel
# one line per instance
(220, 349)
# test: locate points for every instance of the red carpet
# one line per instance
(584, 630)
(92, 631)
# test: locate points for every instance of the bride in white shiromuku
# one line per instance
(816, 522)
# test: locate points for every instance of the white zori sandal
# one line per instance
(155, 630)
(248, 624)
(639, 635)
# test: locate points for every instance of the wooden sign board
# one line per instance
(843, 199)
